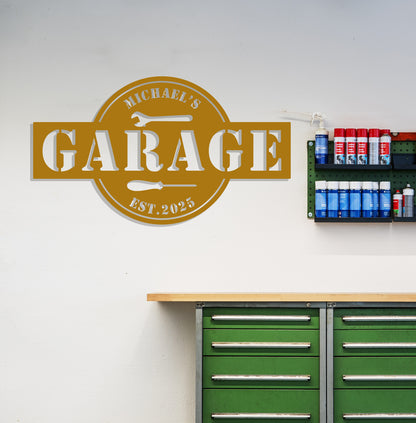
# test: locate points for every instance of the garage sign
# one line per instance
(161, 150)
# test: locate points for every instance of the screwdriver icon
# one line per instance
(147, 186)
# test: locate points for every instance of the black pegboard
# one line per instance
(398, 177)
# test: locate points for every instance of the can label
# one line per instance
(368, 204)
(320, 203)
(385, 205)
(351, 151)
(385, 200)
(344, 200)
(384, 153)
(373, 147)
(362, 151)
(333, 200)
(376, 204)
(407, 205)
(339, 150)
(355, 201)
(398, 207)
(321, 148)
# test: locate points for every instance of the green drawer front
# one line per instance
(399, 405)
(261, 372)
(374, 372)
(375, 343)
(294, 318)
(365, 318)
(297, 403)
(261, 342)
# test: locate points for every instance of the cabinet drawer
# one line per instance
(261, 342)
(374, 372)
(375, 342)
(261, 372)
(374, 318)
(376, 405)
(295, 318)
(252, 406)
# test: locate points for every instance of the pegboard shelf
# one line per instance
(404, 219)
(404, 161)
(353, 219)
(332, 166)
(401, 172)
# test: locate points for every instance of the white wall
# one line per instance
(79, 342)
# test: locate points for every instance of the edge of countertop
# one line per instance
(277, 297)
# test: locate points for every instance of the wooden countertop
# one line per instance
(197, 297)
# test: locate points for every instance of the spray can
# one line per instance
(408, 198)
(339, 146)
(367, 199)
(333, 199)
(355, 199)
(376, 201)
(385, 199)
(398, 204)
(373, 144)
(362, 146)
(351, 142)
(321, 205)
(344, 198)
(385, 142)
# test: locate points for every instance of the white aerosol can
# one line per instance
(398, 204)
(408, 198)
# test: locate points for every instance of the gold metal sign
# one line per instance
(161, 150)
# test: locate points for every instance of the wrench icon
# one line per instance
(144, 119)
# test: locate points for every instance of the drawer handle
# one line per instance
(266, 416)
(376, 378)
(261, 344)
(379, 318)
(380, 416)
(263, 378)
(261, 318)
(379, 345)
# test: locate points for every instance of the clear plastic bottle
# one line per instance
(321, 146)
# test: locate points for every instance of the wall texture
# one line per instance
(79, 342)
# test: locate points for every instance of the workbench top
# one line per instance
(197, 297)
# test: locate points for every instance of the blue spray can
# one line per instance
(385, 199)
(321, 205)
(367, 199)
(355, 199)
(376, 202)
(344, 199)
(333, 199)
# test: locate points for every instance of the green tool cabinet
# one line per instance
(306, 361)
(374, 364)
(261, 362)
